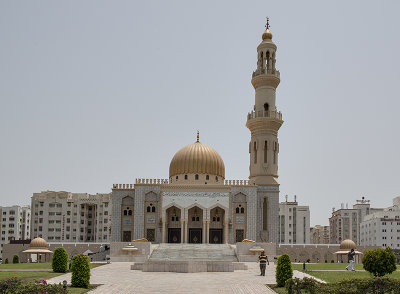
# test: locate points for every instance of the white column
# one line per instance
(163, 229)
(226, 231)
(207, 231)
(204, 231)
(182, 228)
(186, 231)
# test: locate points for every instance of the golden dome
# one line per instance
(197, 158)
(38, 243)
(348, 244)
(267, 35)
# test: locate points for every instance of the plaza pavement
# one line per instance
(117, 277)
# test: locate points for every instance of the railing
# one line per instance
(262, 71)
(166, 181)
(263, 113)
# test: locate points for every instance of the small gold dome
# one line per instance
(267, 35)
(197, 158)
(38, 243)
(348, 244)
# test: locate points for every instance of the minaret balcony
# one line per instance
(266, 114)
(263, 71)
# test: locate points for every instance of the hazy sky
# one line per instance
(100, 92)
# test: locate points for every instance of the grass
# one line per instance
(279, 290)
(325, 266)
(29, 276)
(35, 266)
(331, 277)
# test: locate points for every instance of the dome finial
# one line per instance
(267, 34)
(198, 136)
(267, 25)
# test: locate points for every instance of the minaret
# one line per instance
(265, 120)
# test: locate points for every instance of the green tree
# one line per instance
(284, 270)
(59, 262)
(379, 262)
(80, 271)
(6, 262)
(16, 258)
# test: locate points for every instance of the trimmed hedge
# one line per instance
(379, 262)
(6, 262)
(373, 285)
(16, 285)
(80, 271)
(16, 258)
(284, 270)
(59, 262)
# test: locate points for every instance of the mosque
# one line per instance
(196, 204)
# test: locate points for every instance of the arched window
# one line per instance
(197, 219)
(218, 219)
(255, 152)
(148, 208)
(129, 212)
(237, 209)
(266, 106)
(196, 177)
(176, 177)
(125, 212)
(207, 177)
(214, 219)
(216, 178)
(242, 210)
(193, 218)
(153, 209)
(186, 177)
(173, 218)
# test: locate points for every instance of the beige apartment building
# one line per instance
(319, 234)
(71, 217)
(15, 224)
(294, 223)
(345, 222)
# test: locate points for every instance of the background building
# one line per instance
(71, 217)
(345, 222)
(382, 228)
(15, 224)
(294, 223)
(319, 234)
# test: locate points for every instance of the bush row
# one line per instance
(375, 285)
(16, 286)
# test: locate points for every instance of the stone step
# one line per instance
(200, 252)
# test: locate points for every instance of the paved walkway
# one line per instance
(117, 277)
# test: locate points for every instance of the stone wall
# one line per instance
(317, 252)
(72, 249)
(244, 255)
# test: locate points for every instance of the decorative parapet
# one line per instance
(152, 181)
(123, 186)
(239, 183)
(263, 113)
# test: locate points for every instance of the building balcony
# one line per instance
(263, 71)
(266, 114)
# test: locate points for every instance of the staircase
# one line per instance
(191, 258)
(198, 252)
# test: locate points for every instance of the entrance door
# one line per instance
(195, 235)
(174, 235)
(215, 236)
(126, 236)
(239, 235)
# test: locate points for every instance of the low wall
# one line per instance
(141, 255)
(188, 266)
(72, 249)
(317, 252)
(244, 254)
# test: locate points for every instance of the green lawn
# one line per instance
(35, 266)
(325, 266)
(331, 277)
(29, 276)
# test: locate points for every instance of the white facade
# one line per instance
(15, 224)
(71, 217)
(294, 223)
(382, 228)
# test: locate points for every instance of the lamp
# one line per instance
(65, 284)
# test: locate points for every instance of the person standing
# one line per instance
(350, 256)
(263, 259)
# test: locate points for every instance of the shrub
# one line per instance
(284, 270)
(6, 262)
(326, 261)
(16, 285)
(16, 258)
(332, 261)
(308, 260)
(80, 271)
(379, 262)
(59, 262)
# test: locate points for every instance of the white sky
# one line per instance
(100, 92)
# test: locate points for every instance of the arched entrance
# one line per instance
(174, 225)
(195, 225)
(217, 221)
